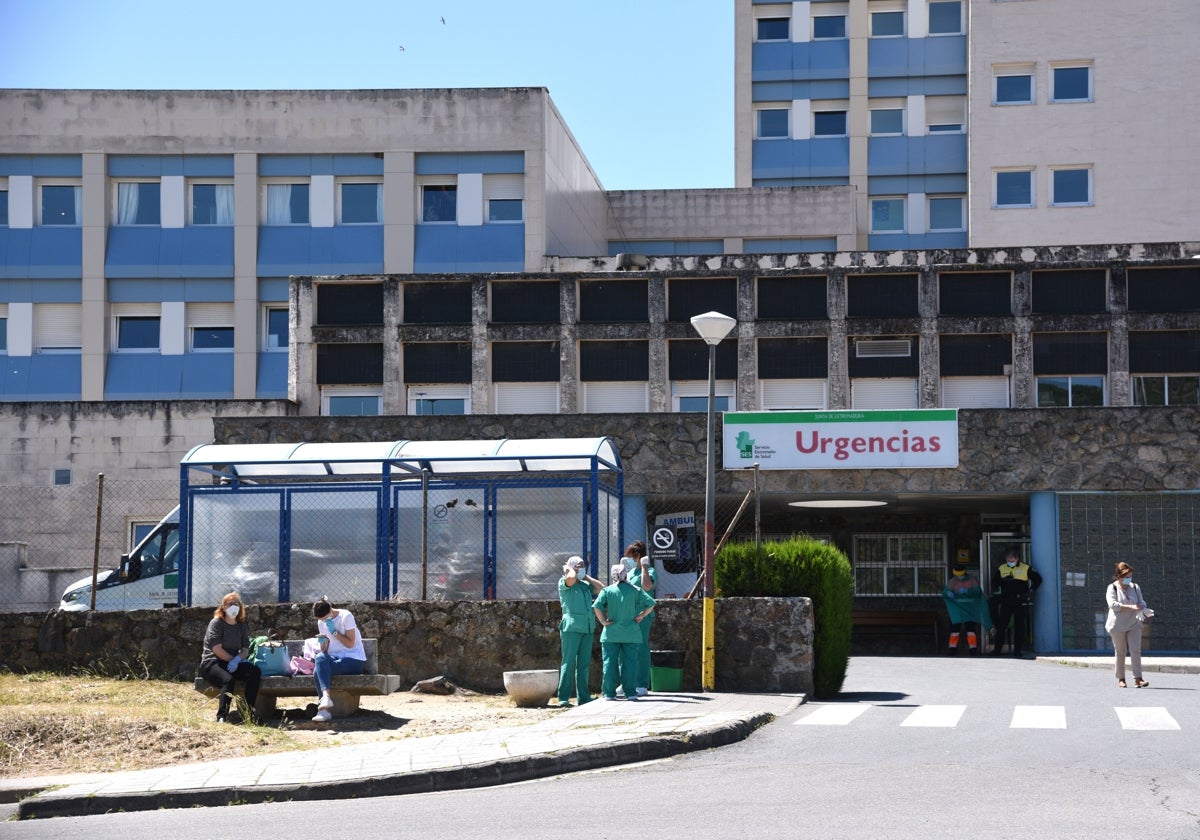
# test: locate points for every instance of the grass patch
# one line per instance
(52, 724)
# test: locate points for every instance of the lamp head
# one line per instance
(713, 326)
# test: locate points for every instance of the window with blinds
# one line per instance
(503, 197)
(867, 394)
(945, 114)
(209, 326)
(526, 397)
(57, 327)
(792, 394)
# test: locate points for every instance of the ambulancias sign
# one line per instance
(841, 440)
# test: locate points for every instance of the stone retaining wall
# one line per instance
(763, 644)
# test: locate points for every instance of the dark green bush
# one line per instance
(798, 566)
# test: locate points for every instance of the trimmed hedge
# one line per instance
(798, 566)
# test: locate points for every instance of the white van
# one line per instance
(148, 578)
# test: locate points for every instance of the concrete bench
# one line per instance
(922, 619)
(346, 689)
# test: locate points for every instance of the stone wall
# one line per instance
(763, 644)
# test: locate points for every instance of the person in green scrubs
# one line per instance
(575, 592)
(642, 575)
(620, 608)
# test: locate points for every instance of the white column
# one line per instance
(914, 116)
(20, 201)
(470, 199)
(918, 18)
(172, 328)
(321, 201)
(172, 201)
(915, 221)
(801, 119)
(801, 22)
(20, 329)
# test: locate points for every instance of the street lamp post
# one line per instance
(712, 327)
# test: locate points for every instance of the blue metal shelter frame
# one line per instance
(244, 477)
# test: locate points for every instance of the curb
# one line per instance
(505, 771)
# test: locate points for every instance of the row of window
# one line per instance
(828, 22)
(1016, 84)
(776, 298)
(828, 118)
(359, 201)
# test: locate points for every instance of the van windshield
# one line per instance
(157, 556)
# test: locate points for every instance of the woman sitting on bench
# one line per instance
(225, 640)
(341, 653)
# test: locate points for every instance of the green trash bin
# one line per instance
(666, 670)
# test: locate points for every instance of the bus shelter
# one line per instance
(461, 520)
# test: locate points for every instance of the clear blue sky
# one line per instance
(646, 86)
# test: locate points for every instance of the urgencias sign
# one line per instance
(841, 440)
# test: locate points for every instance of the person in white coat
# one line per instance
(1126, 613)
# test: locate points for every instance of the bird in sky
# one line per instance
(443, 21)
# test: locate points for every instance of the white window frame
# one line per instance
(41, 183)
(760, 107)
(266, 183)
(932, 112)
(453, 391)
(890, 9)
(773, 13)
(897, 106)
(378, 182)
(903, 213)
(1009, 71)
(962, 213)
(202, 316)
(996, 205)
(117, 183)
(835, 107)
(329, 392)
(68, 323)
(267, 309)
(1072, 65)
(192, 183)
(1088, 202)
(509, 187)
(824, 11)
(726, 388)
(437, 181)
(120, 311)
(961, 18)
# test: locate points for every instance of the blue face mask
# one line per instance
(1127, 581)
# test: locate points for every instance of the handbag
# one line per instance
(299, 666)
(271, 658)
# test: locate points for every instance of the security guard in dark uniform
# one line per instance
(1016, 581)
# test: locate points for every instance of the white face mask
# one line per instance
(1012, 564)
(232, 610)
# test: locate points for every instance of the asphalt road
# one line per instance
(922, 748)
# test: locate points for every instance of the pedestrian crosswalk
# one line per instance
(1146, 718)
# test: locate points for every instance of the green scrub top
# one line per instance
(621, 602)
(635, 577)
(576, 603)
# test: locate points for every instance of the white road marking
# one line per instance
(1145, 717)
(943, 716)
(1039, 717)
(838, 715)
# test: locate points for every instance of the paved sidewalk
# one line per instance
(1150, 664)
(598, 734)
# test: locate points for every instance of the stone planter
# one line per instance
(530, 689)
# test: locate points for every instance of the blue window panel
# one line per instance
(49, 252)
(890, 242)
(16, 165)
(275, 166)
(945, 18)
(1016, 89)
(801, 89)
(1071, 186)
(144, 289)
(829, 124)
(773, 29)
(942, 239)
(930, 154)
(171, 252)
(828, 26)
(57, 166)
(772, 123)
(1014, 189)
(207, 376)
(450, 248)
(208, 166)
(916, 57)
(490, 163)
(4, 334)
(44, 376)
(946, 214)
(272, 376)
(138, 332)
(273, 289)
(144, 376)
(3, 208)
(283, 251)
(828, 156)
(41, 290)
(801, 182)
(357, 165)
(809, 245)
(144, 166)
(1071, 84)
(775, 62)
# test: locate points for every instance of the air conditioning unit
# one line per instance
(883, 348)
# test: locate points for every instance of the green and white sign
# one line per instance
(841, 440)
